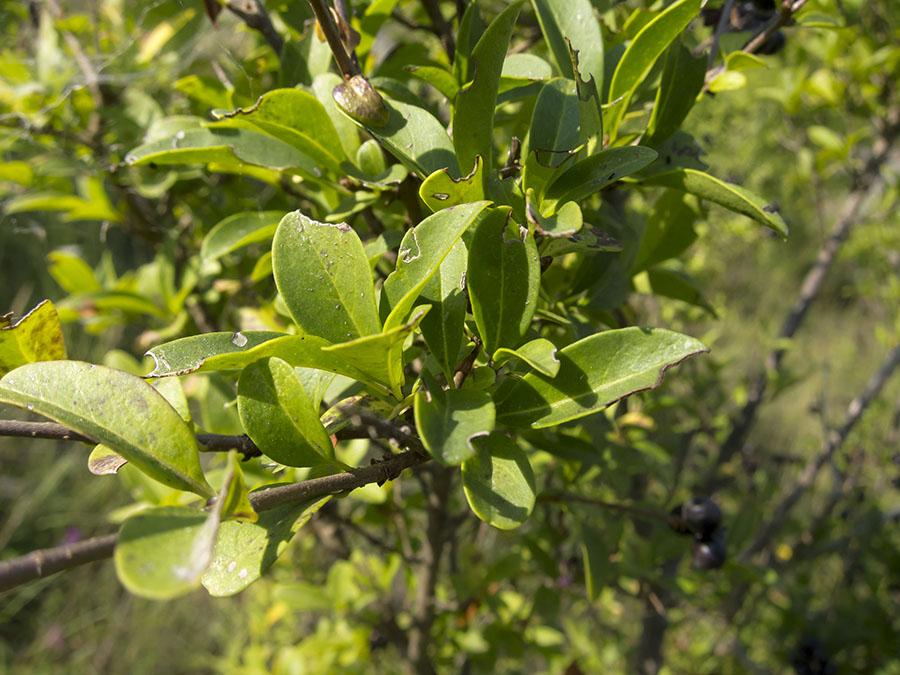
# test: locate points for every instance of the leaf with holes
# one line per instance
(37, 336)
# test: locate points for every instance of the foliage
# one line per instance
(466, 253)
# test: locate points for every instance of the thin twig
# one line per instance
(329, 28)
(837, 437)
(647, 514)
(441, 27)
(39, 564)
(252, 13)
(869, 182)
(721, 27)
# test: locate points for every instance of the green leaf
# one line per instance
(420, 254)
(678, 151)
(473, 112)
(323, 274)
(415, 137)
(682, 79)
(323, 85)
(594, 173)
(504, 276)
(114, 408)
(595, 550)
(586, 239)
(155, 556)
(37, 336)
(523, 70)
(539, 354)
(499, 481)
(279, 417)
(553, 139)
(732, 197)
(72, 273)
(235, 501)
(370, 22)
(671, 284)
(471, 28)
(646, 47)
(448, 421)
(564, 223)
(594, 373)
(237, 231)
(379, 357)
(103, 461)
(244, 551)
(297, 118)
(439, 78)
(575, 20)
(221, 144)
(669, 230)
(442, 327)
(234, 351)
(441, 190)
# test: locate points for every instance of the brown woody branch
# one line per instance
(326, 22)
(43, 563)
(252, 13)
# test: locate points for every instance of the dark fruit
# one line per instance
(709, 553)
(677, 521)
(702, 516)
(773, 44)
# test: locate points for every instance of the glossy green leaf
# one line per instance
(439, 78)
(678, 151)
(297, 118)
(155, 555)
(646, 47)
(471, 28)
(449, 421)
(539, 354)
(235, 500)
(244, 550)
(316, 383)
(554, 134)
(585, 240)
(115, 408)
(370, 159)
(594, 173)
(279, 416)
(473, 112)
(499, 481)
(415, 137)
(37, 336)
(682, 79)
(225, 145)
(594, 373)
(420, 255)
(234, 351)
(564, 223)
(379, 356)
(590, 106)
(323, 274)
(440, 190)
(237, 231)
(732, 197)
(522, 70)
(575, 20)
(669, 230)
(504, 275)
(442, 327)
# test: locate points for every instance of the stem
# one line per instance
(323, 15)
(252, 13)
(636, 511)
(43, 563)
(441, 27)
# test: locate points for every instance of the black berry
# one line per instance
(709, 553)
(702, 516)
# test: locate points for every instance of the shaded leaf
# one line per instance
(439, 78)
(594, 373)
(564, 223)
(473, 112)
(682, 79)
(575, 20)
(449, 421)
(233, 495)
(554, 138)
(114, 408)
(499, 481)
(594, 173)
(442, 327)
(103, 461)
(279, 416)
(503, 279)
(245, 550)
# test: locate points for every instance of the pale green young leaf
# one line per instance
(239, 230)
(37, 336)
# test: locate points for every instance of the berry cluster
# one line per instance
(700, 518)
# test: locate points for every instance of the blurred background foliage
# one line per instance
(113, 246)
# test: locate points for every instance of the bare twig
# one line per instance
(721, 27)
(837, 437)
(39, 564)
(441, 27)
(252, 13)
(332, 34)
(868, 182)
(636, 511)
